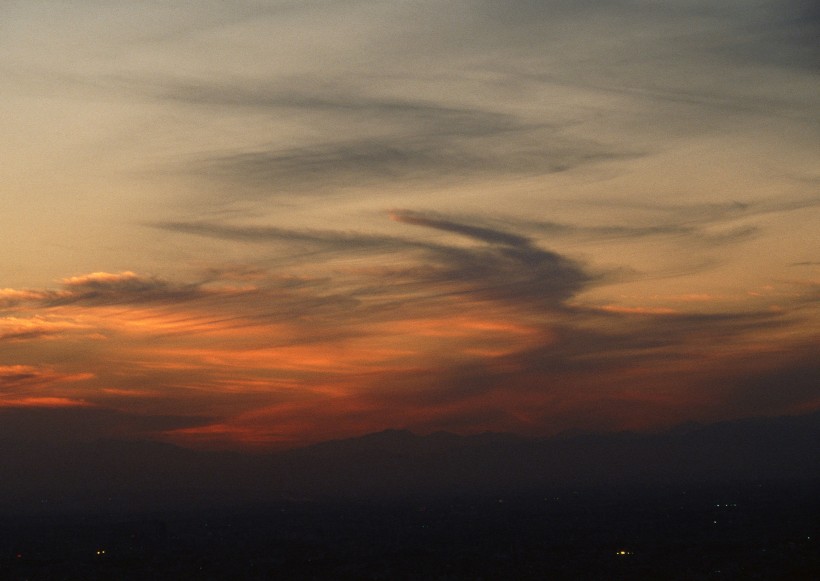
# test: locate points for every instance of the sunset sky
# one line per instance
(260, 224)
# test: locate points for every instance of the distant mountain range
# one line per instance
(120, 475)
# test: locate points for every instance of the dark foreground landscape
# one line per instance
(749, 531)
(737, 500)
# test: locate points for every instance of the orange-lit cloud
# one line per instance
(46, 402)
(14, 376)
(29, 386)
(22, 329)
(488, 331)
(638, 310)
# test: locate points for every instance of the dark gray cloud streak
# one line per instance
(427, 116)
(709, 224)
(124, 288)
(371, 139)
(324, 238)
(102, 289)
(488, 235)
(508, 267)
(326, 167)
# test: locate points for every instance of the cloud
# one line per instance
(637, 371)
(421, 103)
(403, 115)
(368, 138)
(329, 239)
(470, 327)
(17, 375)
(509, 267)
(41, 402)
(22, 329)
(705, 224)
(10, 297)
(438, 326)
(307, 115)
(638, 310)
(329, 166)
(477, 232)
(123, 287)
(25, 381)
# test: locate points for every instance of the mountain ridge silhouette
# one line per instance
(118, 474)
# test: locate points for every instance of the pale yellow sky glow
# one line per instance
(247, 223)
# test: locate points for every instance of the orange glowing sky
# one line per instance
(263, 224)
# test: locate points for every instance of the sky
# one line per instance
(254, 225)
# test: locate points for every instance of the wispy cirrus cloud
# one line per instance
(509, 266)
(352, 241)
(37, 327)
(38, 386)
(710, 223)
(329, 166)
(105, 288)
(21, 375)
(373, 139)
(489, 235)
(123, 287)
(401, 115)
(10, 297)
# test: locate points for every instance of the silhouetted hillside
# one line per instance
(46, 476)
(397, 462)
